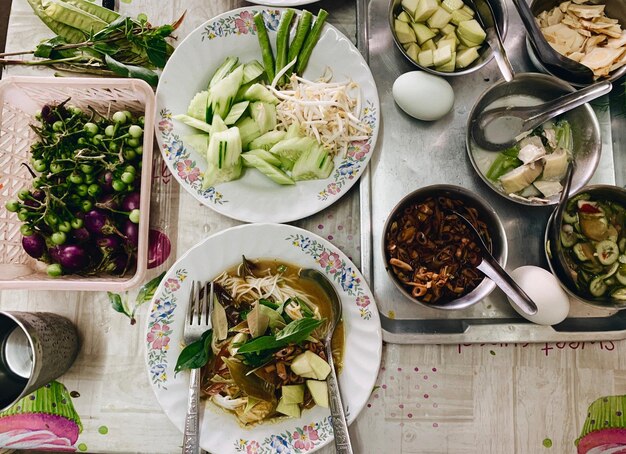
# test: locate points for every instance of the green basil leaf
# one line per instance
(146, 292)
(260, 344)
(164, 30)
(196, 354)
(116, 303)
(131, 71)
(298, 330)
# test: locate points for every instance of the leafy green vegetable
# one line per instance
(298, 330)
(294, 332)
(196, 354)
(505, 162)
(563, 134)
(125, 47)
(145, 294)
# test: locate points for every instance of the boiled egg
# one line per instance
(423, 96)
(544, 289)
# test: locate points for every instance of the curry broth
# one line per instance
(314, 291)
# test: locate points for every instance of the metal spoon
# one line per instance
(337, 413)
(494, 37)
(555, 228)
(500, 128)
(562, 67)
(492, 269)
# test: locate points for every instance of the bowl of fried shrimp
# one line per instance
(432, 256)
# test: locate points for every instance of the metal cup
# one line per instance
(35, 348)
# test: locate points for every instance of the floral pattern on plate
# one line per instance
(159, 328)
(337, 268)
(241, 23)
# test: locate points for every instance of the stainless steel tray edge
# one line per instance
(588, 324)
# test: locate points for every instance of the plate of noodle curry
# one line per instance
(263, 385)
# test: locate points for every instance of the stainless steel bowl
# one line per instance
(597, 192)
(501, 13)
(584, 123)
(615, 9)
(485, 212)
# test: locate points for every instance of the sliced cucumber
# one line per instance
(607, 252)
(289, 150)
(197, 105)
(249, 131)
(568, 236)
(313, 165)
(267, 156)
(597, 287)
(224, 70)
(236, 111)
(252, 71)
(267, 140)
(199, 142)
(223, 93)
(223, 157)
(570, 218)
(257, 92)
(193, 122)
(619, 294)
(583, 251)
(267, 169)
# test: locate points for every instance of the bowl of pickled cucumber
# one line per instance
(447, 37)
(592, 243)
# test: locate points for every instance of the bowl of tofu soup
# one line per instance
(532, 171)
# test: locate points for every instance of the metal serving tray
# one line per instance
(412, 154)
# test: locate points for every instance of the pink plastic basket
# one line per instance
(20, 98)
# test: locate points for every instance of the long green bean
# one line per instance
(304, 25)
(311, 41)
(266, 47)
(282, 40)
(92, 8)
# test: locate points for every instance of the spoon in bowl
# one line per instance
(562, 67)
(494, 37)
(559, 264)
(502, 127)
(337, 413)
(492, 269)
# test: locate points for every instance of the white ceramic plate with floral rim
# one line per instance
(220, 431)
(255, 198)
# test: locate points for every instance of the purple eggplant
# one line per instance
(97, 221)
(112, 242)
(159, 248)
(109, 202)
(81, 235)
(34, 245)
(130, 230)
(131, 202)
(107, 181)
(72, 257)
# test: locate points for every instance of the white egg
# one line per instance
(423, 95)
(544, 289)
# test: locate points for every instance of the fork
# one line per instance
(197, 321)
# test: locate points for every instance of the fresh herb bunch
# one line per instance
(124, 47)
(81, 214)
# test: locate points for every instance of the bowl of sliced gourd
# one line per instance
(444, 37)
